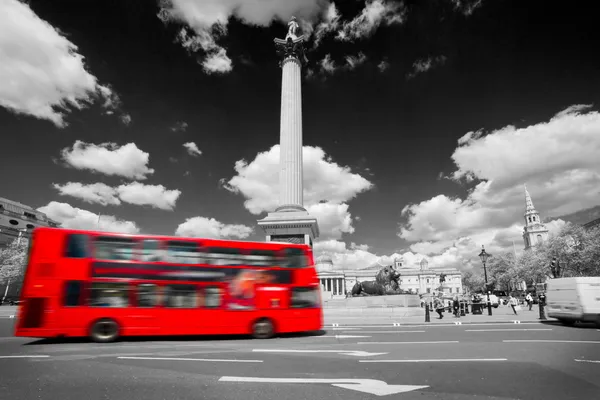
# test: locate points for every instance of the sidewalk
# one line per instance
(499, 316)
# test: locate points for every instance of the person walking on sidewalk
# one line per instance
(529, 300)
(513, 304)
(456, 306)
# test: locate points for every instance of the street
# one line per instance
(469, 361)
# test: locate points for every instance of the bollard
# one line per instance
(462, 309)
(542, 303)
(427, 318)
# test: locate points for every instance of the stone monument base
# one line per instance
(290, 225)
(391, 301)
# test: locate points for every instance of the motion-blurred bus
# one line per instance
(107, 285)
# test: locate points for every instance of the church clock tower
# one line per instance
(534, 232)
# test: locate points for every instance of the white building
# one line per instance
(335, 283)
(18, 219)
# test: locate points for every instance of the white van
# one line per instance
(574, 299)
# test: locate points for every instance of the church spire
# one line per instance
(529, 208)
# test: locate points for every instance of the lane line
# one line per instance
(588, 361)
(392, 331)
(436, 360)
(439, 342)
(343, 336)
(357, 353)
(505, 330)
(552, 341)
(24, 356)
(434, 325)
(189, 359)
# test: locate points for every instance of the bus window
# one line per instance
(181, 296)
(295, 258)
(212, 297)
(77, 246)
(104, 294)
(113, 248)
(184, 252)
(152, 251)
(224, 256)
(72, 293)
(148, 295)
(262, 258)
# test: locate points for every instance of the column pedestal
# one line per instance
(290, 226)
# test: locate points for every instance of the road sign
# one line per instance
(371, 386)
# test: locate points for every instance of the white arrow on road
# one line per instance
(372, 386)
(357, 353)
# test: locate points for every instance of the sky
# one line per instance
(422, 120)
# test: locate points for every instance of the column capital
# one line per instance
(291, 49)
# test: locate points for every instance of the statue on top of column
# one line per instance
(292, 29)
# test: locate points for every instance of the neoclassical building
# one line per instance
(534, 232)
(336, 282)
(18, 219)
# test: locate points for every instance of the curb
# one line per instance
(456, 323)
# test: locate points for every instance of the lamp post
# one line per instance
(484, 257)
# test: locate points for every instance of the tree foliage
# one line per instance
(473, 281)
(576, 249)
(12, 258)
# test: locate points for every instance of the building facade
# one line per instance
(534, 232)
(335, 282)
(18, 220)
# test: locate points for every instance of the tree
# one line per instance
(577, 250)
(472, 281)
(12, 259)
(502, 271)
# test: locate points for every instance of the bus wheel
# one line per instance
(263, 329)
(104, 330)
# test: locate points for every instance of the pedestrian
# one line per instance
(439, 306)
(529, 300)
(456, 305)
(513, 303)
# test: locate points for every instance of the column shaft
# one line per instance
(291, 175)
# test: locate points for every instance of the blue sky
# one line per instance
(422, 119)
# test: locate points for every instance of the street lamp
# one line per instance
(484, 257)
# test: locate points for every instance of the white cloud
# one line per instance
(330, 23)
(98, 193)
(135, 193)
(424, 65)
(327, 187)
(327, 64)
(375, 13)
(354, 61)
(126, 119)
(42, 73)
(76, 218)
(156, 196)
(179, 126)
(383, 65)
(217, 62)
(192, 149)
(467, 7)
(108, 158)
(557, 159)
(211, 228)
(207, 21)
(334, 219)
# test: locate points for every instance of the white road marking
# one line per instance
(189, 359)
(588, 361)
(552, 341)
(430, 325)
(440, 342)
(346, 329)
(435, 360)
(341, 336)
(372, 386)
(392, 331)
(357, 353)
(23, 356)
(505, 330)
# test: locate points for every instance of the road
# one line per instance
(486, 361)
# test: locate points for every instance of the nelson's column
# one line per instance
(290, 222)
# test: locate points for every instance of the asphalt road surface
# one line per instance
(487, 361)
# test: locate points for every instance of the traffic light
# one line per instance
(553, 268)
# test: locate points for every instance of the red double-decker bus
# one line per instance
(106, 285)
